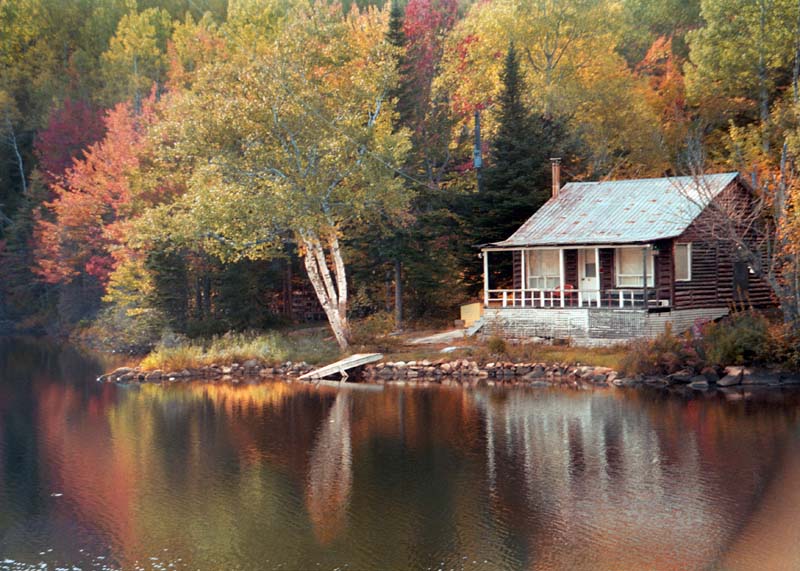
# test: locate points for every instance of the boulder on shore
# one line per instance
(153, 376)
(684, 376)
(733, 376)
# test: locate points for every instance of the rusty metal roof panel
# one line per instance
(619, 211)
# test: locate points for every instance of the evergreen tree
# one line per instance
(402, 92)
(517, 179)
(396, 36)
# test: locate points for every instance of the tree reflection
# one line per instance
(330, 475)
(288, 474)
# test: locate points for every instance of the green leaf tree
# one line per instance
(291, 139)
(737, 60)
(136, 57)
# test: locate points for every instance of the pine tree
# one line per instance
(516, 180)
(403, 89)
(396, 36)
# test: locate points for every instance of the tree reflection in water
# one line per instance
(330, 474)
(287, 475)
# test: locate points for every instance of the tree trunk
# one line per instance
(288, 290)
(387, 284)
(207, 295)
(332, 298)
(198, 298)
(398, 294)
(796, 66)
(763, 92)
(12, 139)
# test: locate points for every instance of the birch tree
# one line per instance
(290, 139)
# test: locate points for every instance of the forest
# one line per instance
(194, 167)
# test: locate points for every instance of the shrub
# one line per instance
(740, 339)
(115, 329)
(373, 333)
(663, 355)
(496, 345)
(784, 344)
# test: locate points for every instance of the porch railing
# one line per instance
(552, 298)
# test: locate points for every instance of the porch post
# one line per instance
(561, 273)
(597, 273)
(486, 278)
(644, 274)
(524, 276)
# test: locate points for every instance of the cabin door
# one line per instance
(589, 282)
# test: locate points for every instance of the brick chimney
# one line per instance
(555, 163)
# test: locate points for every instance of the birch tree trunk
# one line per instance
(332, 297)
(12, 141)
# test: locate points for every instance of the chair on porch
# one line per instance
(569, 294)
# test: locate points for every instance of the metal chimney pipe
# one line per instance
(555, 163)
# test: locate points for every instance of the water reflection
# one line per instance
(330, 475)
(291, 476)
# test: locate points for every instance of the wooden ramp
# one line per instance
(343, 384)
(341, 367)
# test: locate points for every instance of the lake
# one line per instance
(283, 475)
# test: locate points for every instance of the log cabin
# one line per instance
(609, 261)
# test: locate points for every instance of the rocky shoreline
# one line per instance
(465, 371)
(251, 368)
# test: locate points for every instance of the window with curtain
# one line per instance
(543, 269)
(630, 268)
(683, 262)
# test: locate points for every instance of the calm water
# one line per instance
(287, 476)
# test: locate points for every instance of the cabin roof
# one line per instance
(619, 211)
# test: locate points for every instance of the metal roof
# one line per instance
(619, 211)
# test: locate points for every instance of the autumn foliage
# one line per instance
(275, 129)
(80, 229)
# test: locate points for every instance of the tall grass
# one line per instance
(610, 356)
(274, 347)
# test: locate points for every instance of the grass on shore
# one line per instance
(610, 357)
(316, 346)
(312, 346)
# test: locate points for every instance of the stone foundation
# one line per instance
(590, 326)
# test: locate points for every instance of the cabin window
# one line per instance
(630, 268)
(683, 262)
(543, 269)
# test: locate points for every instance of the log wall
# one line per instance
(712, 275)
(664, 269)
(607, 269)
(571, 268)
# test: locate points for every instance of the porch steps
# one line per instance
(475, 327)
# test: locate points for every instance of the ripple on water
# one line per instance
(288, 476)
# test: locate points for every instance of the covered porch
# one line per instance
(624, 276)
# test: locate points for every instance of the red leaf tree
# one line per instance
(81, 226)
(71, 128)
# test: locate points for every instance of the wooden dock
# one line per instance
(341, 367)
